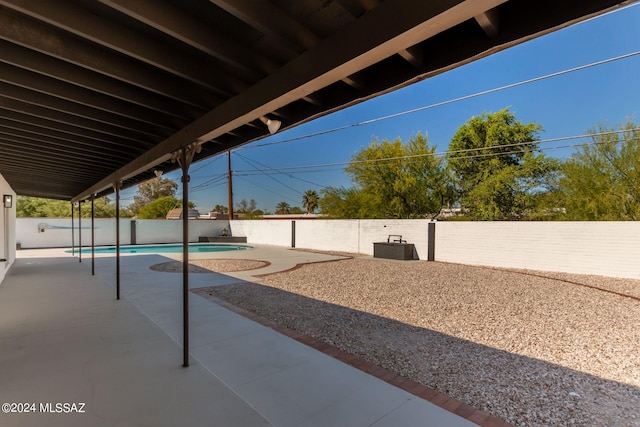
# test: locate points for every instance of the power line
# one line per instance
(279, 172)
(249, 162)
(447, 102)
(207, 183)
(206, 163)
(447, 152)
(208, 186)
(267, 189)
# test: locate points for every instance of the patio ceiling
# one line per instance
(98, 91)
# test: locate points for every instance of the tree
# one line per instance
(221, 209)
(340, 202)
(151, 190)
(282, 208)
(400, 180)
(160, 207)
(246, 207)
(310, 201)
(33, 207)
(497, 169)
(39, 207)
(601, 181)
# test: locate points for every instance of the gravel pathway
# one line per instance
(535, 351)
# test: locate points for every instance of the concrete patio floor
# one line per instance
(64, 339)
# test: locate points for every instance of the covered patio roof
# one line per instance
(98, 92)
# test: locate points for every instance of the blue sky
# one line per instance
(566, 105)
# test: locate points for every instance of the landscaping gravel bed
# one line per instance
(535, 351)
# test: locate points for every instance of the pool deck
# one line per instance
(64, 338)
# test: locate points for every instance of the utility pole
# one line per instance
(230, 189)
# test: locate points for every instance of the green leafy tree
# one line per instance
(601, 182)
(103, 208)
(33, 207)
(220, 209)
(151, 190)
(160, 207)
(497, 168)
(296, 210)
(39, 207)
(340, 202)
(401, 180)
(282, 208)
(310, 201)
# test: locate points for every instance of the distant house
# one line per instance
(177, 214)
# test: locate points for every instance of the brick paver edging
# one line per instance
(437, 398)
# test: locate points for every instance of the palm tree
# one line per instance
(310, 201)
(282, 208)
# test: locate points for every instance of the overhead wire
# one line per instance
(249, 162)
(447, 102)
(267, 189)
(205, 184)
(280, 172)
(448, 152)
(268, 171)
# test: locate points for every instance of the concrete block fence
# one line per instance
(600, 248)
(56, 232)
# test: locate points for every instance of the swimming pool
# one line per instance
(172, 248)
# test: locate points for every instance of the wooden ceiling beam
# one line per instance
(77, 20)
(364, 42)
(41, 38)
(184, 27)
(489, 21)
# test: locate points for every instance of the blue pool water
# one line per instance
(159, 249)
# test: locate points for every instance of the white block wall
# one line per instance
(57, 231)
(336, 235)
(7, 229)
(601, 248)
(265, 232)
(356, 236)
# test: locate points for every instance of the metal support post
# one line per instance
(79, 231)
(184, 158)
(230, 185)
(117, 188)
(73, 237)
(93, 237)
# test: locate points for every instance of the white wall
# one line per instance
(7, 230)
(355, 236)
(601, 248)
(57, 231)
(266, 232)
(358, 236)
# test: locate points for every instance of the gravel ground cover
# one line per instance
(210, 265)
(535, 351)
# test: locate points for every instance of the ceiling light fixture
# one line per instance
(272, 125)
